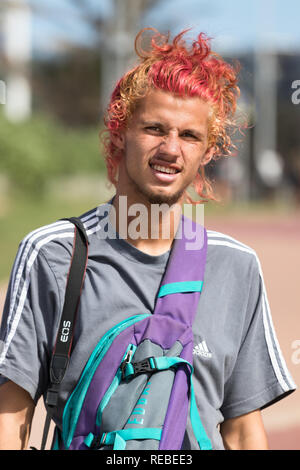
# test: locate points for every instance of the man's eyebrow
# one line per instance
(151, 123)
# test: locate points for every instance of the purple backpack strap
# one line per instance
(184, 275)
(178, 299)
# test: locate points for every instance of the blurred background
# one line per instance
(59, 61)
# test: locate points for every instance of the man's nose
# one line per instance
(171, 144)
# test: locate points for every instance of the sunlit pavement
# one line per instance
(276, 240)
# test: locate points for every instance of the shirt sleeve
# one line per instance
(30, 312)
(260, 376)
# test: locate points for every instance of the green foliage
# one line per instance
(21, 215)
(36, 150)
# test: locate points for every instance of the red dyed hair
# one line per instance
(174, 66)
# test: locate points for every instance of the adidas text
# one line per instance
(201, 349)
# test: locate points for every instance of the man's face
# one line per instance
(163, 147)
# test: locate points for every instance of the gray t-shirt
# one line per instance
(238, 365)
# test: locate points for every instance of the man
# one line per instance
(167, 119)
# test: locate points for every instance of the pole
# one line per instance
(18, 54)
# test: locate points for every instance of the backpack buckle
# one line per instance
(146, 365)
(130, 370)
(97, 442)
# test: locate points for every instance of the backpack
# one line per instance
(136, 389)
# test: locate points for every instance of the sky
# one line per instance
(234, 25)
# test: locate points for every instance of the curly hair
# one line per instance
(186, 70)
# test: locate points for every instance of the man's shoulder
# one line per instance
(224, 246)
(56, 238)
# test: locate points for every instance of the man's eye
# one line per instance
(154, 129)
(189, 135)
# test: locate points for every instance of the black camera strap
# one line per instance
(62, 350)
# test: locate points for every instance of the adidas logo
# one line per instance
(202, 350)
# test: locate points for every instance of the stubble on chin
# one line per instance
(156, 198)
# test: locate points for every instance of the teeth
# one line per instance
(163, 169)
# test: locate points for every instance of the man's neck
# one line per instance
(151, 228)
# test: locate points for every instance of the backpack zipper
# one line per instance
(115, 383)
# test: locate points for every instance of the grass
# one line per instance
(23, 215)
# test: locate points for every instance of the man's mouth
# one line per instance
(164, 169)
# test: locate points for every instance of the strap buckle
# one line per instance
(146, 365)
(52, 397)
(141, 367)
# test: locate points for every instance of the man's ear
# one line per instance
(208, 156)
(118, 139)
